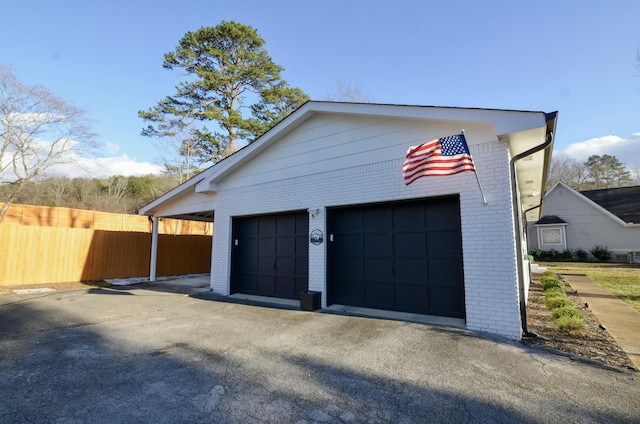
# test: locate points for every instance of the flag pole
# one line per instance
(484, 199)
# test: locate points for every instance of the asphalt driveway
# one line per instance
(128, 355)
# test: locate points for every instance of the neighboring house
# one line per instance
(319, 203)
(573, 220)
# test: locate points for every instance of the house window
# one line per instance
(551, 236)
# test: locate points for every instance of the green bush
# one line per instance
(566, 311)
(569, 255)
(549, 282)
(555, 302)
(569, 323)
(553, 290)
(581, 254)
(537, 254)
(564, 314)
(601, 253)
(553, 254)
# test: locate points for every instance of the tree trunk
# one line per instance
(3, 210)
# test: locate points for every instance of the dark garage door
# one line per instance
(270, 255)
(402, 256)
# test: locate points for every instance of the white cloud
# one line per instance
(112, 148)
(104, 167)
(627, 150)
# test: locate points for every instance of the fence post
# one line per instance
(154, 249)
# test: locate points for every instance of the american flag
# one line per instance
(443, 156)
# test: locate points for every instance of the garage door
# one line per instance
(403, 256)
(270, 255)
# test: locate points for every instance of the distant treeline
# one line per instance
(114, 194)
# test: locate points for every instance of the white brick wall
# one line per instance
(487, 230)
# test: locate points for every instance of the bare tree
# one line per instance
(569, 171)
(347, 91)
(37, 130)
(57, 189)
(179, 156)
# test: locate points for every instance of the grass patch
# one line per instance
(569, 311)
(563, 311)
(556, 302)
(619, 279)
(571, 324)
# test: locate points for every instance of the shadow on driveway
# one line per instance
(160, 357)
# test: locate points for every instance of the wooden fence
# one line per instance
(40, 245)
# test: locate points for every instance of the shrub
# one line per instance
(569, 255)
(601, 253)
(581, 254)
(564, 314)
(555, 302)
(553, 254)
(548, 282)
(566, 311)
(536, 253)
(552, 291)
(567, 323)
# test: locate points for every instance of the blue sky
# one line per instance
(573, 57)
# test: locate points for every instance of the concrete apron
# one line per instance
(620, 320)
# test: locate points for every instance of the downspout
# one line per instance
(518, 226)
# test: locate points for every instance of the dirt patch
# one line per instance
(8, 290)
(595, 343)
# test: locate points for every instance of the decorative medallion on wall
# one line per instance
(316, 237)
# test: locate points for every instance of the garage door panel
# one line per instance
(285, 266)
(409, 244)
(250, 246)
(413, 298)
(445, 271)
(350, 267)
(270, 255)
(265, 284)
(352, 292)
(246, 282)
(302, 267)
(411, 217)
(378, 269)
(411, 269)
(265, 265)
(444, 243)
(348, 221)
(447, 301)
(284, 285)
(439, 215)
(285, 246)
(286, 225)
(377, 219)
(349, 244)
(266, 246)
(267, 226)
(404, 256)
(378, 244)
(379, 295)
(248, 264)
(248, 229)
(302, 245)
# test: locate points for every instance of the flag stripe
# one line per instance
(440, 157)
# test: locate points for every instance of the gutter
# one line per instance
(550, 117)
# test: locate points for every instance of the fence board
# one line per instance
(40, 245)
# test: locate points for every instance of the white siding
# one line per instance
(587, 225)
(330, 161)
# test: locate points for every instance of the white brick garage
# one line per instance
(327, 156)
